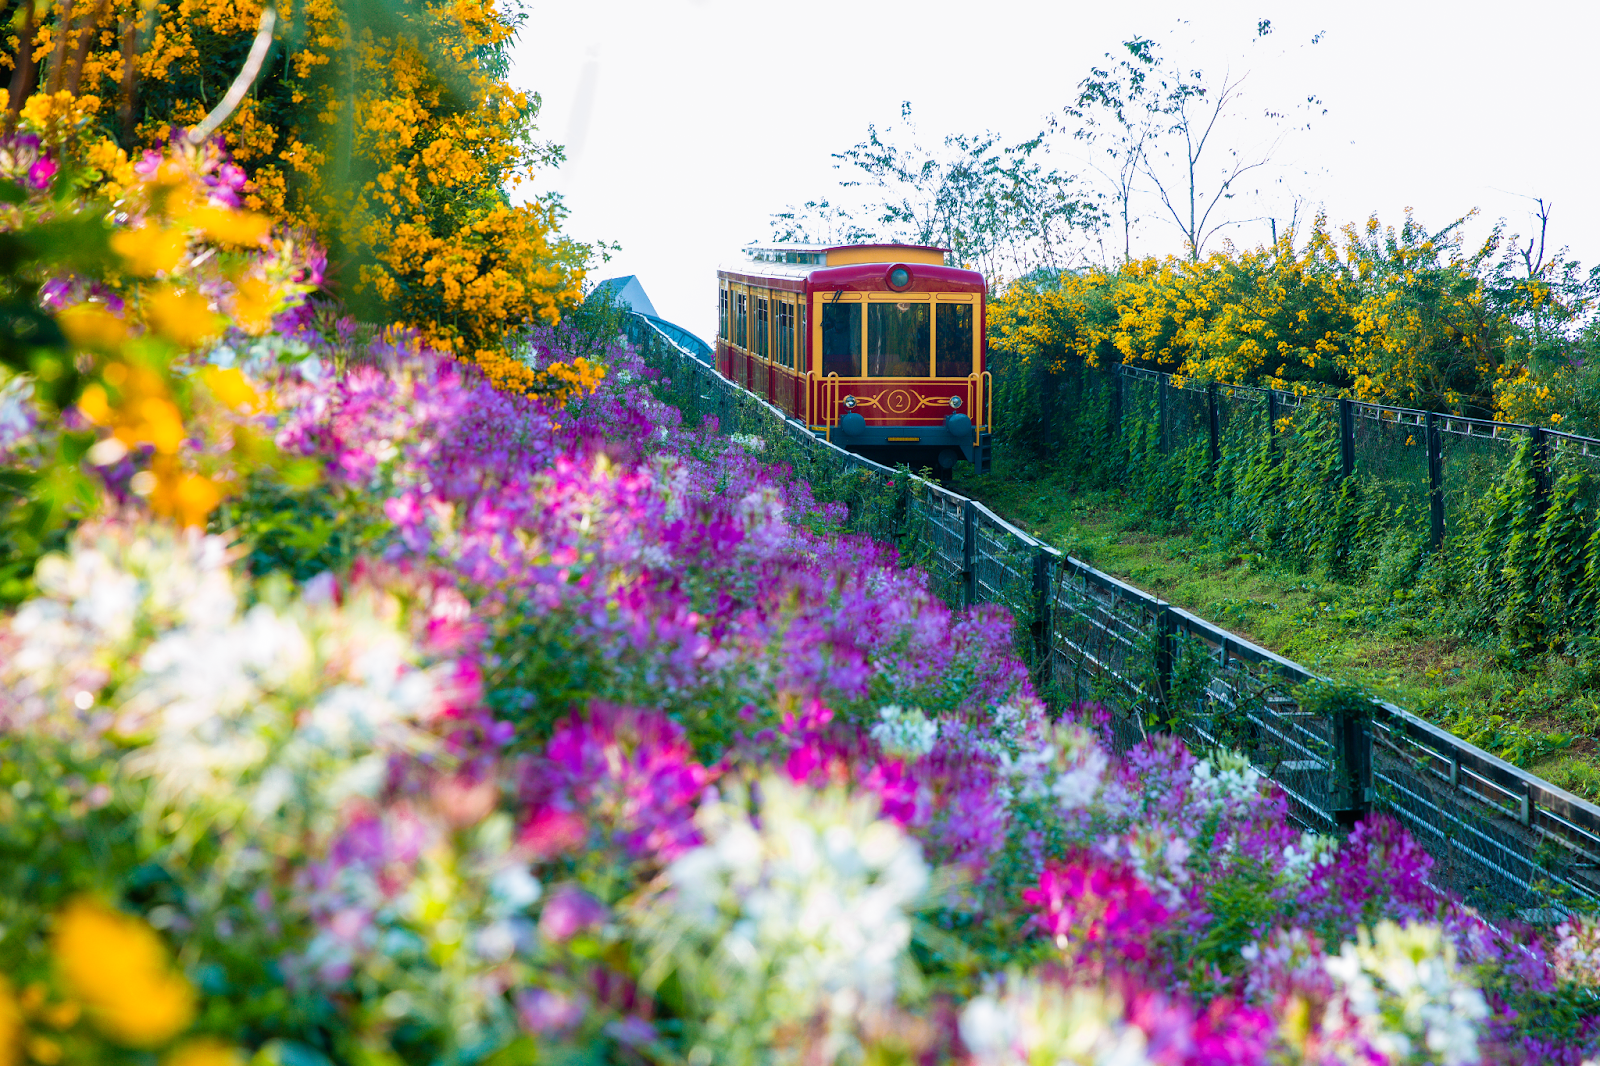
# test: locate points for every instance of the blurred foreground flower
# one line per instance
(119, 969)
(1404, 995)
(779, 921)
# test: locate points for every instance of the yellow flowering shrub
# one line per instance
(1401, 317)
(561, 381)
(388, 130)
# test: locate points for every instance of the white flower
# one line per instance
(1402, 986)
(1077, 787)
(804, 913)
(748, 441)
(905, 733)
(1041, 1022)
(1314, 850)
(95, 605)
(761, 509)
(1226, 780)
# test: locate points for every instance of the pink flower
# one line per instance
(1088, 904)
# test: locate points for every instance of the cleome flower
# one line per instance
(779, 919)
(905, 733)
(1402, 996)
(1024, 1020)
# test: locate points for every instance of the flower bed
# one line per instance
(540, 731)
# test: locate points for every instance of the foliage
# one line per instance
(386, 128)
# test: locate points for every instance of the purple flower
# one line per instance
(548, 1013)
(569, 912)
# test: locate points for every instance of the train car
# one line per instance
(878, 348)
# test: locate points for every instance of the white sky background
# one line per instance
(688, 122)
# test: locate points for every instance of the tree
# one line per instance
(1112, 118)
(993, 205)
(1161, 128)
(386, 127)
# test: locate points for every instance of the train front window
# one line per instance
(897, 340)
(723, 305)
(841, 339)
(955, 341)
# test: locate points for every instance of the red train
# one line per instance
(877, 347)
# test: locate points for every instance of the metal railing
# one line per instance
(1503, 838)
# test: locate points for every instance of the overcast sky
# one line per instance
(688, 122)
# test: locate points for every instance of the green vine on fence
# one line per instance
(1519, 565)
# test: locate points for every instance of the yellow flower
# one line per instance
(182, 316)
(231, 387)
(117, 966)
(187, 497)
(44, 1051)
(149, 249)
(92, 326)
(230, 227)
(254, 301)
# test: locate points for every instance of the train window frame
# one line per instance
(881, 299)
(823, 300)
(802, 346)
(763, 327)
(723, 307)
(741, 306)
(970, 300)
(783, 334)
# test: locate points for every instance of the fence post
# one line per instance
(1161, 412)
(1041, 616)
(1541, 468)
(1347, 438)
(1214, 423)
(969, 551)
(1352, 767)
(1272, 424)
(1165, 629)
(1114, 414)
(1435, 446)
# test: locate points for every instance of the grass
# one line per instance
(1541, 714)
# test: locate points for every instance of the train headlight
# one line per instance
(850, 402)
(955, 402)
(899, 278)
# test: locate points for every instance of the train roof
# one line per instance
(845, 254)
(800, 261)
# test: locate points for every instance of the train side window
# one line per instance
(898, 341)
(761, 329)
(785, 328)
(841, 339)
(722, 313)
(802, 345)
(955, 341)
(741, 326)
